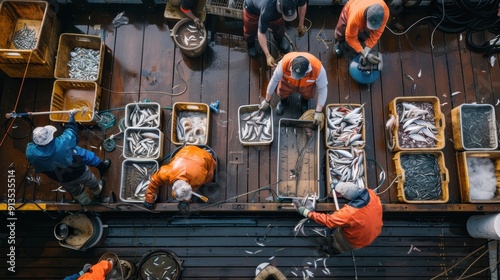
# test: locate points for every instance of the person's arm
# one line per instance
(321, 83)
(337, 219)
(88, 157)
(156, 180)
(275, 79)
(302, 14)
(351, 33)
(376, 34)
(263, 43)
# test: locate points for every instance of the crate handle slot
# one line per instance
(192, 107)
(82, 39)
(13, 54)
(445, 175)
(441, 123)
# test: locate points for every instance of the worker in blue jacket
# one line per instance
(62, 160)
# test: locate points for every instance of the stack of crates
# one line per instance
(28, 38)
(475, 138)
(80, 91)
(400, 109)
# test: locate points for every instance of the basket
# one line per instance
(131, 177)
(67, 95)
(67, 44)
(133, 137)
(330, 181)
(329, 129)
(36, 16)
(226, 8)
(151, 109)
(249, 134)
(182, 109)
(394, 142)
(298, 169)
(463, 175)
(443, 177)
(479, 134)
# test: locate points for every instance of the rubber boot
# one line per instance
(304, 105)
(337, 49)
(104, 166)
(281, 106)
(252, 51)
(283, 45)
(83, 198)
(98, 191)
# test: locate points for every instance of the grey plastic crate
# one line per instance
(131, 177)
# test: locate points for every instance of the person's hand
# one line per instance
(270, 61)
(72, 112)
(86, 268)
(303, 211)
(264, 105)
(318, 118)
(148, 205)
(112, 262)
(373, 59)
(304, 206)
(301, 30)
(198, 23)
(364, 52)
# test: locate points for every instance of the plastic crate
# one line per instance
(67, 95)
(298, 169)
(37, 16)
(443, 176)
(132, 177)
(330, 181)
(153, 108)
(484, 114)
(393, 142)
(328, 128)
(245, 111)
(226, 8)
(129, 139)
(67, 43)
(463, 175)
(189, 107)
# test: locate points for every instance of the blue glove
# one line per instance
(148, 205)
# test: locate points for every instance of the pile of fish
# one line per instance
(477, 124)
(145, 117)
(25, 38)
(347, 166)
(84, 64)
(345, 125)
(192, 127)
(417, 127)
(138, 176)
(422, 180)
(142, 144)
(190, 36)
(256, 126)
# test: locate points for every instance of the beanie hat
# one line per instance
(348, 190)
(182, 190)
(43, 135)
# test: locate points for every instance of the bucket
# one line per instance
(181, 33)
(486, 226)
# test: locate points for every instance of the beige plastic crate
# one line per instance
(131, 177)
(462, 135)
(463, 174)
(226, 8)
(198, 108)
(67, 95)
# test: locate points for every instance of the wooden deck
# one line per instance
(142, 62)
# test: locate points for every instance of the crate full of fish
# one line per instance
(255, 126)
(474, 127)
(80, 57)
(346, 166)
(144, 143)
(190, 123)
(298, 159)
(422, 177)
(415, 124)
(479, 176)
(345, 126)
(28, 33)
(136, 174)
(226, 8)
(83, 95)
(146, 114)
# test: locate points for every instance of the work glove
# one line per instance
(183, 206)
(264, 105)
(304, 206)
(148, 205)
(301, 30)
(270, 61)
(318, 118)
(198, 23)
(85, 269)
(112, 262)
(366, 55)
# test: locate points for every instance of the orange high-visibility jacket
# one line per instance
(360, 226)
(97, 271)
(191, 164)
(306, 85)
(356, 20)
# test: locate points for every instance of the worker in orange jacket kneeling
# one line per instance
(190, 168)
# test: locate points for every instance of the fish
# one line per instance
(344, 125)
(256, 126)
(192, 127)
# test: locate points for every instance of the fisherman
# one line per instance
(186, 8)
(62, 160)
(260, 15)
(355, 225)
(97, 271)
(190, 168)
(365, 19)
(298, 72)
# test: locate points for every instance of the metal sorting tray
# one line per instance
(298, 169)
(132, 177)
(245, 111)
(474, 127)
(153, 108)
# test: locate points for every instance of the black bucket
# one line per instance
(179, 33)
(159, 265)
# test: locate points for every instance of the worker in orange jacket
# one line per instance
(94, 272)
(190, 168)
(361, 18)
(355, 225)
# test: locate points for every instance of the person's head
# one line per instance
(374, 16)
(182, 190)
(300, 66)
(288, 8)
(43, 135)
(348, 190)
